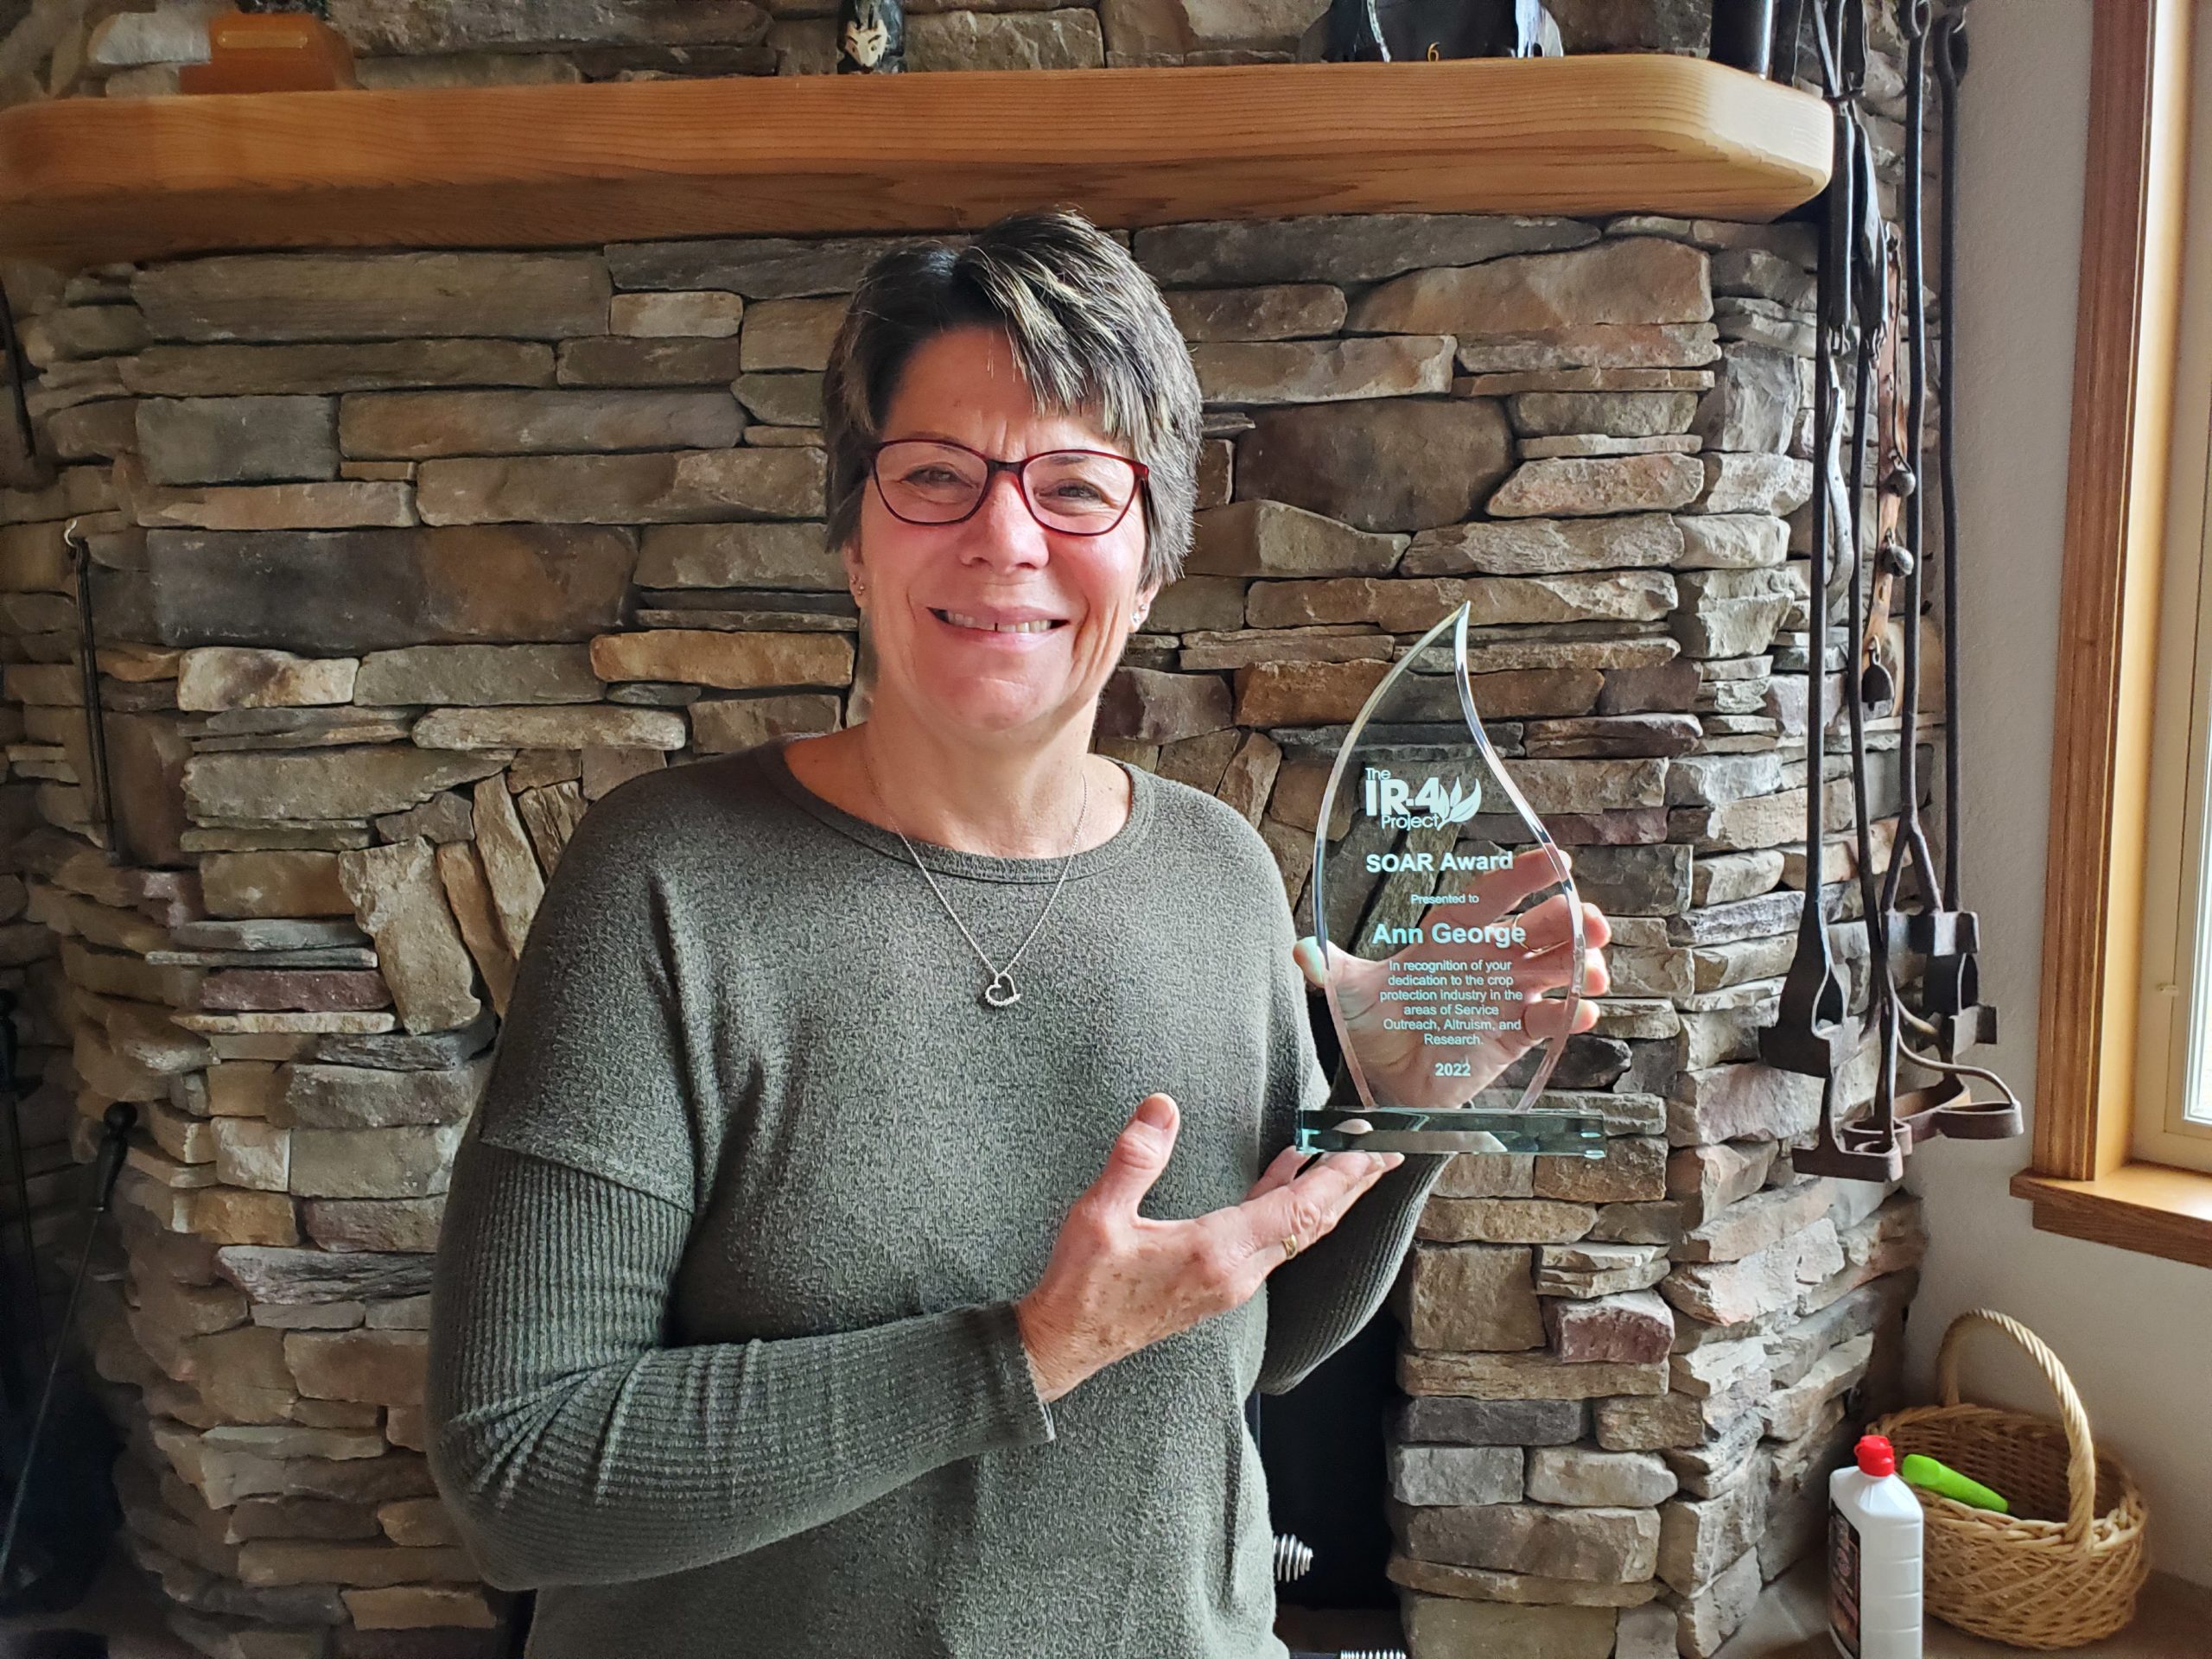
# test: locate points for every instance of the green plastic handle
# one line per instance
(1943, 1478)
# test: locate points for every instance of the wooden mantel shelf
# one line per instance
(89, 180)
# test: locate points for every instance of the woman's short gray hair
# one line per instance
(1090, 334)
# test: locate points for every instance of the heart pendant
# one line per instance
(1000, 992)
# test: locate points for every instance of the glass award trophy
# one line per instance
(1449, 928)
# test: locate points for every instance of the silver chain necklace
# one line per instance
(1000, 991)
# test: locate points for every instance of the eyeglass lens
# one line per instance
(1075, 490)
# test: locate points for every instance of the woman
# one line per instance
(809, 1287)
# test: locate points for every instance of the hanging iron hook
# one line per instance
(1872, 317)
(1951, 47)
(101, 803)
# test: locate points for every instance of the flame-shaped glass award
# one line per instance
(1450, 927)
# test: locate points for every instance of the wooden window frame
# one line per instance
(2085, 1180)
(2173, 1093)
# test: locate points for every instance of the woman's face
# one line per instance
(925, 586)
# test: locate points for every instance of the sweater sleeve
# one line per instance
(1321, 1298)
(573, 1447)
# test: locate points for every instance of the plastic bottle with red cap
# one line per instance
(1874, 1527)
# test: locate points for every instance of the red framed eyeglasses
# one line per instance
(1074, 491)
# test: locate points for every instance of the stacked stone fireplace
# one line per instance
(405, 558)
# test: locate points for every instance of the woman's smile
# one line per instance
(1017, 630)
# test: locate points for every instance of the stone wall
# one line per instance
(79, 48)
(404, 559)
(407, 558)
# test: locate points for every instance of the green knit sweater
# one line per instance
(723, 1358)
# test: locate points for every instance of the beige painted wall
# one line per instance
(2135, 1331)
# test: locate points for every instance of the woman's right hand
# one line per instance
(1118, 1281)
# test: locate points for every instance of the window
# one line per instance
(2123, 1113)
(2173, 1097)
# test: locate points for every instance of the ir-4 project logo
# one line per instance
(1401, 805)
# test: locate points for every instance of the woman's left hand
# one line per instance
(1401, 1068)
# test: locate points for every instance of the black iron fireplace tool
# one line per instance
(1871, 310)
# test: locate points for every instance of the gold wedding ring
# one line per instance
(1289, 1245)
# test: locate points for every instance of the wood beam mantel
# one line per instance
(88, 179)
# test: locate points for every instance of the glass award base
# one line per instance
(1543, 1135)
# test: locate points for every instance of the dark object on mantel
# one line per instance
(1742, 34)
(270, 51)
(1355, 34)
(871, 37)
(1399, 30)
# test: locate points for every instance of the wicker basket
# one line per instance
(2031, 1577)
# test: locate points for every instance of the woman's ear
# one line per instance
(855, 576)
(1142, 604)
